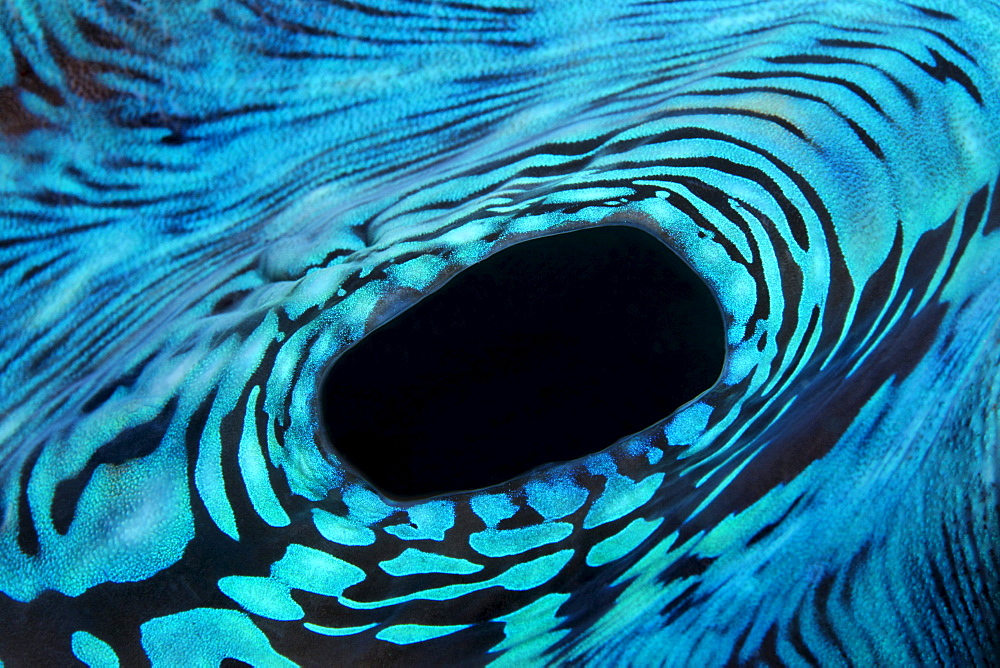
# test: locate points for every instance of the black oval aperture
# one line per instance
(547, 351)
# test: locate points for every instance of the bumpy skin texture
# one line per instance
(202, 203)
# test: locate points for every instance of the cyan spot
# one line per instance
(534, 573)
(93, 651)
(209, 634)
(413, 561)
(419, 272)
(529, 632)
(623, 542)
(492, 508)
(317, 572)
(341, 530)
(338, 631)
(554, 499)
(429, 521)
(254, 468)
(506, 542)
(620, 497)
(262, 596)
(687, 425)
(406, 634)
(365, 505)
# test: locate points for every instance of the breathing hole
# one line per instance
(547, 351)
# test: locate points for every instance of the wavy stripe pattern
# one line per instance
(201, 205)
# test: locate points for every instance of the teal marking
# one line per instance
(132, 521)
(792, 152)
(592, 194)
(534, 573)
(520, 577)
(428, 521)
(419, 272)
(208, 469)
(617, 546)
(317, 572)
(412, 562)
(300, 568)
(93, 651)
(254, 469)
(506, 542)
(210, 635)
(338, 631)
(341, 530)
(529, 632)
(555, 499)
(366, 506)
(407, 634)
(493, 508)
(262, 596)
(620, 497)
(688, 424)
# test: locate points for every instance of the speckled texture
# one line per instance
(201, 204)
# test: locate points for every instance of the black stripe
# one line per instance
(970, 618)
(125, 380)
(933, 13)
(863, 136)
(490, 9)
(768, 652)
(798, 641)
(800, 350)
(14, 241)
(872, 313)
(718, 200)
(734, 660)
(821, 605)
(943, 597)
(39, 268)
(847, 589)
(791, 74)
(27, 534)
(132, 443)
(97, 35)
(866, 139)
(819, 59)
(942, 69)
(970, 223)
(950, 42)
(579, 149)
(767, 529)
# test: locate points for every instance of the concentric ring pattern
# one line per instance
(202, 204)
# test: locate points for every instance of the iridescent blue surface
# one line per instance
(202, 204)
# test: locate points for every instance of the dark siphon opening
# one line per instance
(547, 351)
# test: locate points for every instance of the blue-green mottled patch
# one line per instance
(492, 508)
(254, 469)
(620, 497)
(412, 562)
(530, 632)
(505, 542)
(342, 530)
(428, 521)
(314, 571)
(93, 651)
(209, 634)
(623, 542)
(555, 499)
(262, 596)
(338, 631)
(406, 634)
